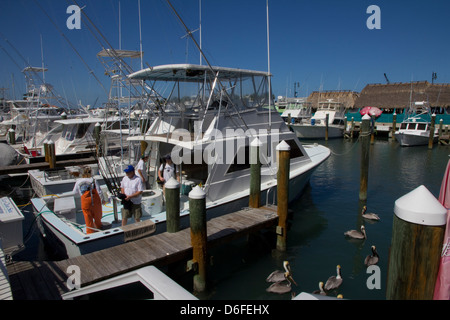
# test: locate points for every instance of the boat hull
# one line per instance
(411, 140)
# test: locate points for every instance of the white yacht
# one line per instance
(207, 119)
(315, 129)
(416, 127)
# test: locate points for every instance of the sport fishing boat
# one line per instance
(316, 128)
(207, 119)
(296, 111)
(415, 129)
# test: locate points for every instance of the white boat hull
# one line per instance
(413, 139)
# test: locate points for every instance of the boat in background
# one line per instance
(297, 111)
(415, 130)
(316, 128)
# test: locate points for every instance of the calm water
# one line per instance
(329, 206)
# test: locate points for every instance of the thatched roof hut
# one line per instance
(400, 95)
(347, 97)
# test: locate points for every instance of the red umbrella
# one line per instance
(371, 111)
(442, 287)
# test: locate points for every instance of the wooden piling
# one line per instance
(432, 129)
(255, 174)
(441, 129)
(394, 125)
(372, 130)
(283, 156)
(97, 135)
(365, 147)
(327, 119)
(51, 154)
(197, 207)
(352, 127)
(173, 205)
(46, 151)
(417, 236)
(12, 136)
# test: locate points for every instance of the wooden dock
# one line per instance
(47, 280)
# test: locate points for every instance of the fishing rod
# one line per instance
(111, 181)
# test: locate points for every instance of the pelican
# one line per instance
(283, 286)
(373, 258)
(278, 275)
(355, 234)
(320, 291)
(334, 282)
(369, 216)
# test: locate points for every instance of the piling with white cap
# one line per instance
(417, 236)
(283, 159)
(12, 136)
(51, 154)
(197, 216)
(255, 174)
(172, 194)
(365, 147)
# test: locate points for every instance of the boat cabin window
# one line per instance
(403, 126)
(81, 130)
(412, 126)
(295, 150)
(422, 126)
(338, 122)
(238, 165)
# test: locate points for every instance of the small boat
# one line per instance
(415, 128)
(316, 128)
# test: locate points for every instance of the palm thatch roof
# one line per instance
(347, 97)
(400, 95)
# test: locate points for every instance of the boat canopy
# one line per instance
(192, 73)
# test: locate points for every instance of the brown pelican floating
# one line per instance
(278, 275)
(369, 216)
(373, 258)
(321, 291)
(282, 287)
(355, 234)
(334, 282)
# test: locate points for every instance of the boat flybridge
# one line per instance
(206, 119)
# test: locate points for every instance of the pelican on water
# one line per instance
(278, 275)
(373, 258)
(321, 291)
(334, 282)
(369, 216)
(283, 286)
(355, 234)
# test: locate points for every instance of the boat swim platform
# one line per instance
(47, 280)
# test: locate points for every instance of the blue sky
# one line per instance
(320, 43)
